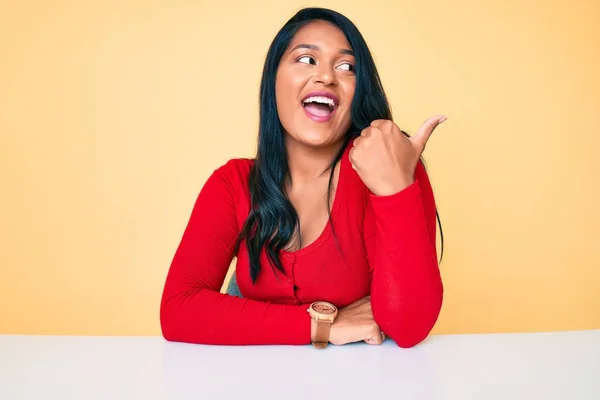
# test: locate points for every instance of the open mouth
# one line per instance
(319, 107)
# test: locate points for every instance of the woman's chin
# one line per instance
(316, 140)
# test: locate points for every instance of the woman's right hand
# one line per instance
(355, 323)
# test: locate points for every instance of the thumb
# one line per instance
(420, 138)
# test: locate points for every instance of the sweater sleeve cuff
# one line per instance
(400, 218)
(406, 197)
(296, 325)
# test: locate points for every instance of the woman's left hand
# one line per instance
(385, 159)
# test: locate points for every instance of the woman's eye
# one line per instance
(306, 60)
(347, 67)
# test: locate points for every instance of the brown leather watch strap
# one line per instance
(322, 334)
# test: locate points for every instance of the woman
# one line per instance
(333, 222)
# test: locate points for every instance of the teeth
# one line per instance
(320, 99)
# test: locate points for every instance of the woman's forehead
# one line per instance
(322, 34)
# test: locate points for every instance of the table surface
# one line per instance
(553, 365)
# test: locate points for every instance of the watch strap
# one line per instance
(322, 333)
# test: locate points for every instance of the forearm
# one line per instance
(406, 291)
(208, 317)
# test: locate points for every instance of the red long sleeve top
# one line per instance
(388, 251)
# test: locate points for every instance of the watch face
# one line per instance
(323, 308)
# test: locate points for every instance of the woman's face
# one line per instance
(315, 85)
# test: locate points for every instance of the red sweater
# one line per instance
(388, 245)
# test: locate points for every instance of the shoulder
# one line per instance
(235, 167)
(232, 175)
(351, 178)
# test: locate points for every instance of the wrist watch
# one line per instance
(324, 314)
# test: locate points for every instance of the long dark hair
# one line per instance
(273, 220)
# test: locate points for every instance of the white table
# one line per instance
(501, 366)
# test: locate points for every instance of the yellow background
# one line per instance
(113, 114)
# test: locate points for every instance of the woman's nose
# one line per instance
(325, 75)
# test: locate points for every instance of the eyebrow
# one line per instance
(315, 47)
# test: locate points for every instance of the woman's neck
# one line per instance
(309, 164)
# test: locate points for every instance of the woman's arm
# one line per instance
(400, 236)
(192, 307)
